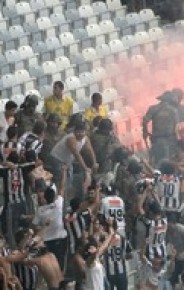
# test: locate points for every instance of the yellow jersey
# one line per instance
(91, 113)
(63, 107)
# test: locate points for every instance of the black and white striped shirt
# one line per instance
(155, 238)
(16, 182)
(27, 275)
(8, 147)
(29, 141)
(169, 190)
(115, 256)
(75, 227)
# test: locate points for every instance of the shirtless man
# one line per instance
(48, 266)
(38, 255)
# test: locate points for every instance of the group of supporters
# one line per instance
(77, 204)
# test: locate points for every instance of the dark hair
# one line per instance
(105, 125)
(59, 84)
(49, 195)
(75, 203)
(134, 167)
(74, 120)
(80, 126)
(13, 157)
(12, 132)
(20, 234)
(91, 243)
(96, 121)
(10, 105)
(39, 127)
(167, 167)
(53, 117)
(96, 97)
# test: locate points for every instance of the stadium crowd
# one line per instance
(77, 204)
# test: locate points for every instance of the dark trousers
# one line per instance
(59, 249)
(119, 281)
(179, 268)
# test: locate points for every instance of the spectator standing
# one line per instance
(96, 108)
(53, 134)
(57, 103)
(55, 235)
(33, 140)
(7, 118)
(164, 118)
(103, 140)
(27, 115)
(16, 192)
(68, 149)
(112, 207)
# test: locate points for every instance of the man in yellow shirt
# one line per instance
(62, 106)
(96, 108)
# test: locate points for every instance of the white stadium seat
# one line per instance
(93, 30)
(8, 80)
(109, 95)
(44, 23)
(73, 83)
(116, 46)
(58, 18)
(86, 78)
(99, 74)
(36, 5)
(49, 67)
(18, 99)
(62, 62)
(23, 8)
(66, 38)
(25, 52)
(89, 54)
(52, 43)
(52, 3)
(85, 11)
(156, 33)
(12, 56)
(103, 50)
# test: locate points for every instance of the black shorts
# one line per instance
(58, 248)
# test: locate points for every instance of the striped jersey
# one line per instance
(29, 141)
(86, 215)
(114, 257)
(15, 182)
(27, 275)
(169, 189)
(75, 226)
(113, 207)
(8, 147)
(155, 238)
